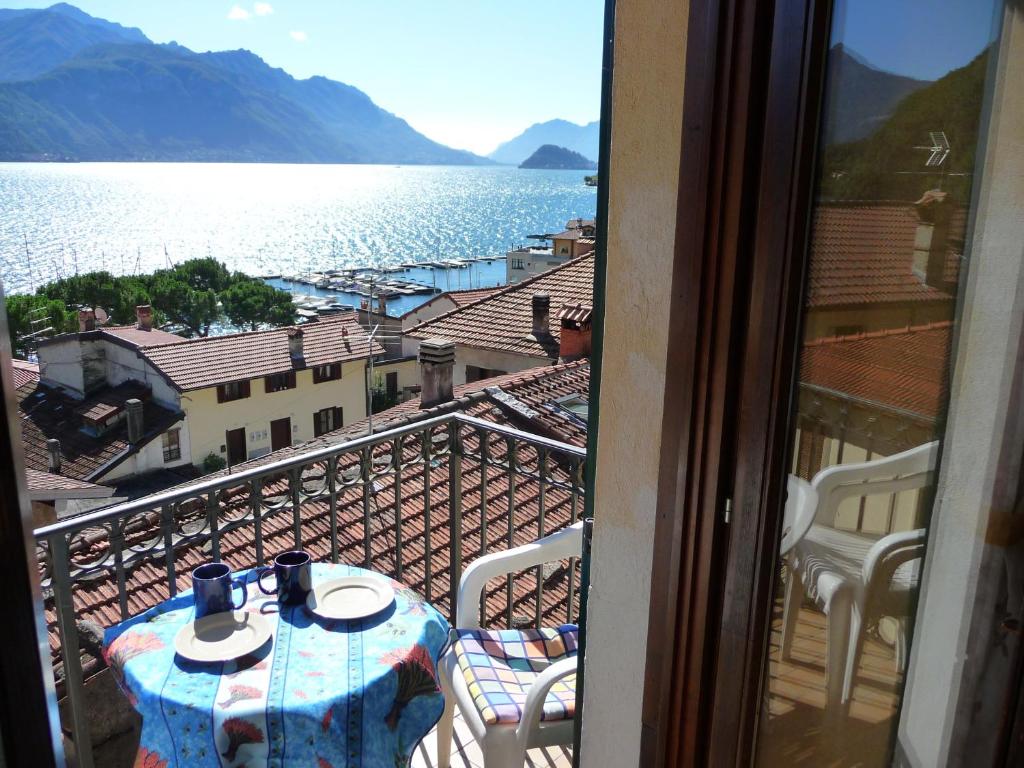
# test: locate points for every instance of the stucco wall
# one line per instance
(492, 360)
(150, 458)
(646, 128)
(436, 306)
(408, 371)
(125, 364)
(60, 363)
(208, 420)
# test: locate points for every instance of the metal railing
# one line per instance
(415, 503)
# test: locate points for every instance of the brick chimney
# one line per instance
(574, 332)
(541, 315)
(931, 239)
(437, 363)
(144, 316)
(53, 455)
(135, 421)
(86, 319)
(295, 348)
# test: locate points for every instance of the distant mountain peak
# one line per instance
(558, 132)
(551, 157)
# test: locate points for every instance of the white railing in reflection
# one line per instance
(412, 502)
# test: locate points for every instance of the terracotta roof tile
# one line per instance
(504, 320)
(468, 296)
(24, 372)
(140, 337)
(41, 483)
(904, 369)
(207, 362)
(862, 253)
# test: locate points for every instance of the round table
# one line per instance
(320, 693)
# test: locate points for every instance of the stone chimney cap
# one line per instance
(294, 331)
(437, 351)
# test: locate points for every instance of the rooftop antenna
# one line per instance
(28, 258)
(938, 151)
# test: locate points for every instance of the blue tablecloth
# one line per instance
(321, 693)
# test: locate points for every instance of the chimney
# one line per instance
(931, 239)
(53, 456)
(574, 334)
(295, 350)
(86, 319)
(541, 315)
(437, 362)
(135, 425)
(144, 316)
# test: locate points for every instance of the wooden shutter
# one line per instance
(243, 388)
(291, 379)
(220, 393)
(268, 384)
(339, 417)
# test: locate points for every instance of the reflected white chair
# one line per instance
(854, 577)
(504, 744)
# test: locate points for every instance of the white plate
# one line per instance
(222, 636)
(350, 597)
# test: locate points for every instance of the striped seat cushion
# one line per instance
(499, 666)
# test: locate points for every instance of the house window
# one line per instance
(279, 381)
(323, 373)
(235, 390)
(172, 445)
(517, 264)
(327, 420)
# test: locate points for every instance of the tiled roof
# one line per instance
(904, 369)
(96, 600)
(139, 337)
(862, 253)
(47, 485)
(569, 234)
(47, 413)
(23, 372)
(504, 320)
(207, 362)
(468, 296)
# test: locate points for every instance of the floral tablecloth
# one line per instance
(326, 694)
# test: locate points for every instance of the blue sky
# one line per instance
(919, 38)
(468, 73)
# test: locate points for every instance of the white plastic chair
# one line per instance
(854, 576)
(504, 745)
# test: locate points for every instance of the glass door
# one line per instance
(895, 621)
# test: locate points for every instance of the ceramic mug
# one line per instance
(211, 588)
(294, 574)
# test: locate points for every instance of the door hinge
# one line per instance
(727, 511)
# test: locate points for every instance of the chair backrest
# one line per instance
(903, 471)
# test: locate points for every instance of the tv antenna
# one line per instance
(937, 151)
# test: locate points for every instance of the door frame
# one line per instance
(227, 445)
(753, 85)
(287, 420)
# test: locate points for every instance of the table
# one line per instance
(358, 694)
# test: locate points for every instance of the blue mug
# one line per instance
(294, 575)
(211, 588)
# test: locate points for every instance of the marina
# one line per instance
(398, 288)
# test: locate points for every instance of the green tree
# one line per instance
(251, 303)
(19, 307)
(194, 310)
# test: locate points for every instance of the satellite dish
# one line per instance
(102, 318)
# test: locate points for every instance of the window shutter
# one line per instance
(291, 379)
(267, 385)
(316, 375)
(339, 417)
(220, 393)
(244, 388)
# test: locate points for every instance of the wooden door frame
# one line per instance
(746, 176)
(227, 445)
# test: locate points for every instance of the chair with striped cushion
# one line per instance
(516, 689)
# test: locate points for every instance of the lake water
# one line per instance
(270, 218)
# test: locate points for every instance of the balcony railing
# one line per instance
(416, 503)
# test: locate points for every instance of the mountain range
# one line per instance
(561, 133)
(75, 87)
(859, 96)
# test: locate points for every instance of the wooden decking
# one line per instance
(798, 731)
